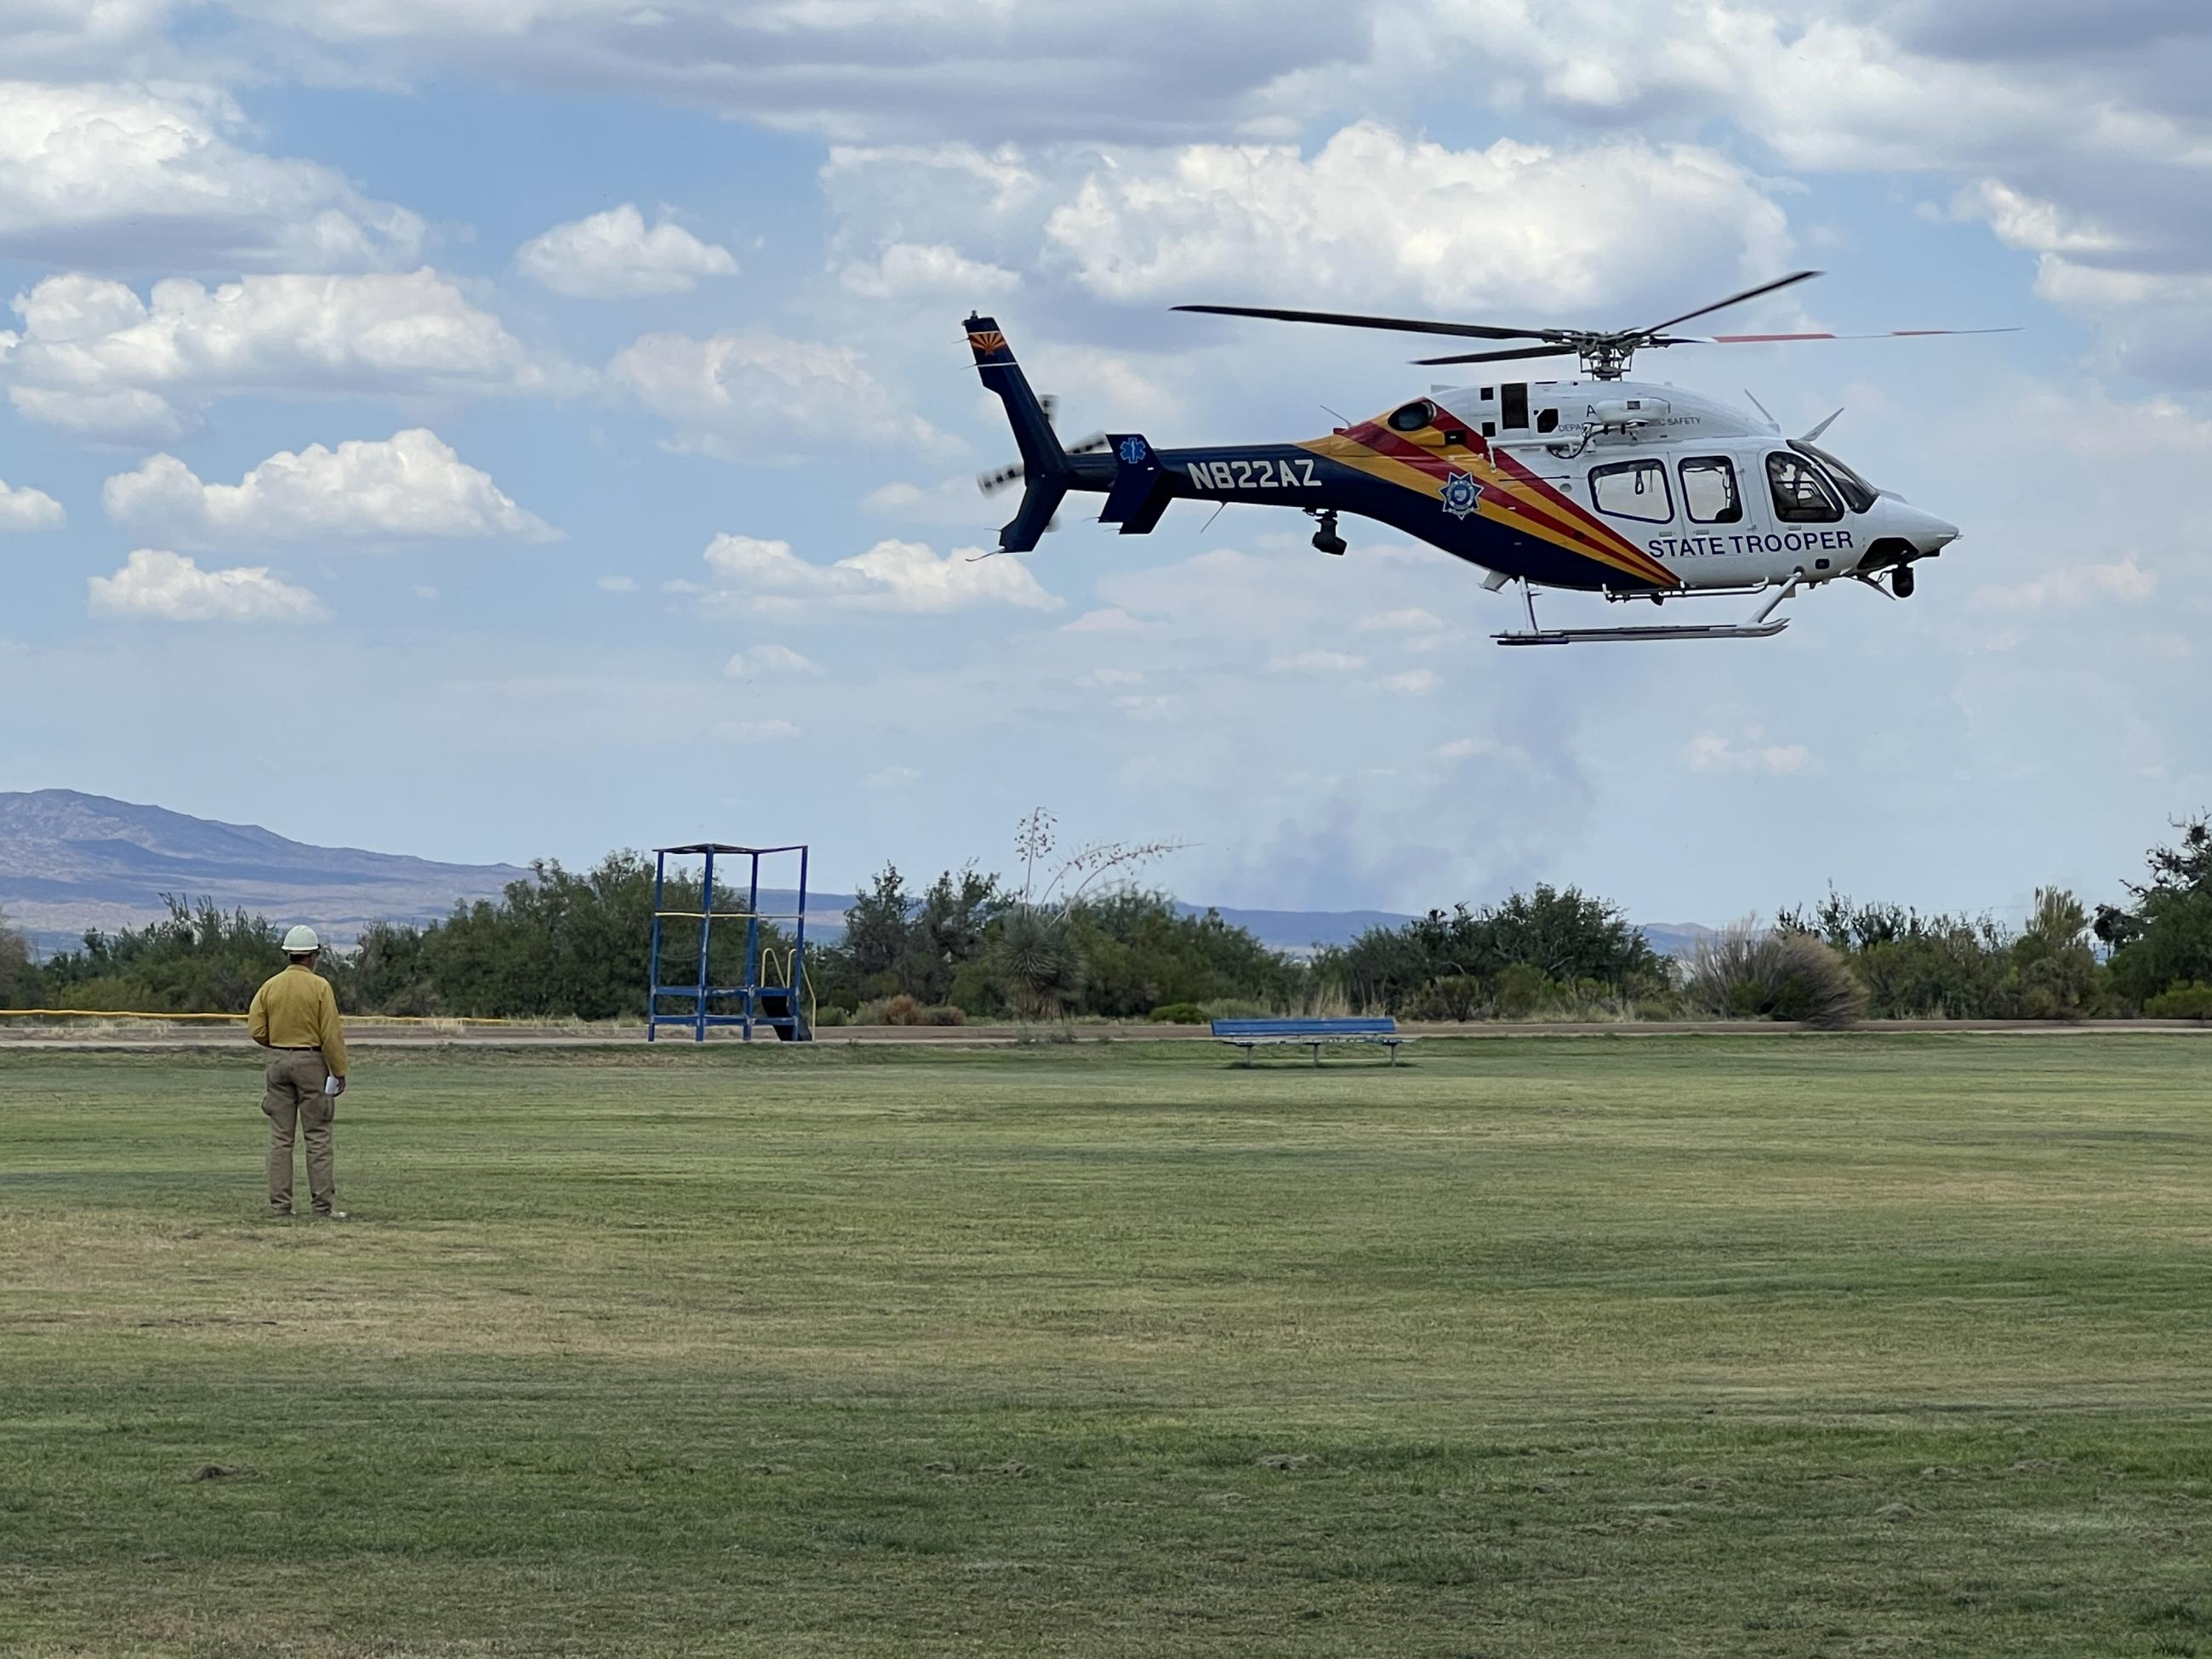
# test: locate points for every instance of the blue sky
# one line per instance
(513, 427)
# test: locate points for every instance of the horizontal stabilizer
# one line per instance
(1141, 489)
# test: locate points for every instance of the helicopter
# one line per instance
(1631, 489)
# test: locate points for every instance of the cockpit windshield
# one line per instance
(1856, 490)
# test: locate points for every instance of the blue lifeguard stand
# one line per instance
(762, 998)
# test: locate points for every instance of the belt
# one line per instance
(283, 1049)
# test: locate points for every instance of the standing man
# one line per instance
(295, 1016)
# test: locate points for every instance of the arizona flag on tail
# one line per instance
(1045, 470)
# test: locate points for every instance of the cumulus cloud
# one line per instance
(859, 68)
(164, 586)
(94, 358)
(1374, 213)
(22, 508)
(755, 731)
(618, 584)
(754, 397)
(891, 777)
(1316, 662)
(612, 255)
(905, 576)
(1709, 751)
(2071, 587)
(1413, 682)
(768, 660)
(905, 269)
(408, 488)
(112, 176)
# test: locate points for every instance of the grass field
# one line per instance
(1672, 1347)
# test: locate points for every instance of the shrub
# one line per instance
(1178, 1013)
(942, 1013)
(1521, 988)
(1743, 973)
(1449, 996)
(832, 1015)
(2187, 1000)
(1040, 964)
(902, 1010)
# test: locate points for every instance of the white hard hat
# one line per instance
(300, 940)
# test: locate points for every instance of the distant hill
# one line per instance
(70, 861)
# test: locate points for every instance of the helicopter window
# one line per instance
(1631, 489)
(1413, 416)
(1709, 493)
(1547, 420)
(1515, 407)
(1800, 495)
(1858, 493)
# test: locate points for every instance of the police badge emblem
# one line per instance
(1461, 494)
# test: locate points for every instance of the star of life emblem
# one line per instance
(1461, 494)
(1133, 450)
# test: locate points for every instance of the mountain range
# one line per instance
(70, 862)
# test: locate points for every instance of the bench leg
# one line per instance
(1316, 1049)
(1393, 1053)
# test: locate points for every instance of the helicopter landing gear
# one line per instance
(1900, 582)
(1326, 537)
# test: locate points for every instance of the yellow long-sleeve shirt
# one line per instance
(295, 1010)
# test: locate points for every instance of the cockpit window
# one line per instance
(1413, 416)
(1800, 496)
(1856, 490)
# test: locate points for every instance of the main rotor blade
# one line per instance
(1733, 299)
(1403, 325)
(1772, 339)
(1567, 350)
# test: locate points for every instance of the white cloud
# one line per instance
(169, 587)
(1152, 706)
(408, 488)
(909, 268)
(612, 255)
(1317, 662)
(1099, 679)
(115, 176)
(22, 508)
(423, 590)
(754, 397)
(768, 660)
(1413, 682)
(2071, 587)
(618, 584)
(891, 777)
(1460, 749)
(1411, 620)
(95, 358)
(1374, 213)
(905, 576)
(1709, 751)
(1111, 619)
(755, 731)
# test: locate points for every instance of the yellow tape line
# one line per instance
(123, 1013)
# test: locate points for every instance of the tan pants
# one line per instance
(296, 1097)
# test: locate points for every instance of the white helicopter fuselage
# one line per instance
(1723, 501)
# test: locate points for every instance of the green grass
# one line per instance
(1672, 1346)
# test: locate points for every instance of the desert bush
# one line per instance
(831, 1015)
(1457, 997)
(1520, 989)
(902, 1010)
(2190, 999)
(943, 1013)
(1745, 973)
(1178, 1013)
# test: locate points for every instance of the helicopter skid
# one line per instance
(1766, 630)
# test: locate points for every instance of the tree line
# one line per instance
(1080, 938)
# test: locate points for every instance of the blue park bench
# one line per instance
(1252, 1034)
